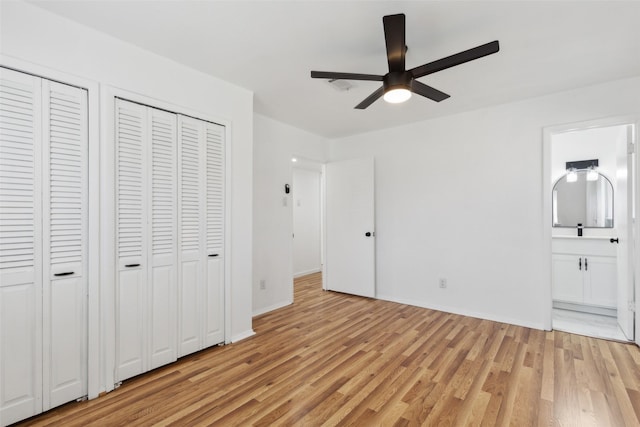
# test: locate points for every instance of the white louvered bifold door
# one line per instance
(20, 247)
(163, 274)
(131, 238)
(215, 183)
(65, 243)
(191, 156)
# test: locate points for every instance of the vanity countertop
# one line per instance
(584, 237)
(591, 245)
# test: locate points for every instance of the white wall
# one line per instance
(306, 221)
(32, 35)
(597, 143)
(460, 197)
(274, 146)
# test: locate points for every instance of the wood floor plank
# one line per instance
(336, 359)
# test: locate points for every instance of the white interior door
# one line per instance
(65, 230)
(215, 182)
(623, 220)
(191, 154)
(20, 247)
(163, 247)
(43, 244)
(350, 227)
(201, 228)
(131, 238)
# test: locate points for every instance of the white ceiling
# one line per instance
(270, 47)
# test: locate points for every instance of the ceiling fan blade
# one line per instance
(428, 91)
(457, 59)
(394, 36)
(370, 99)
(344, 76)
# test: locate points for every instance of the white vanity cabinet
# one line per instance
(584, 271)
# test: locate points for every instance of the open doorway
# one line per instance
(592, 209)
(307, 217)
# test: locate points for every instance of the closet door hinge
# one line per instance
(631, 306)
(631, 148)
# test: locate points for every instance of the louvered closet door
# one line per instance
(215, 183)
(131, 238)
(191, 146)
(162, 286)
(20, 247)
(65, 243)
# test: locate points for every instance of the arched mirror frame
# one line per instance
(554, 203)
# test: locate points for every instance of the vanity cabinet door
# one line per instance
(568, 278)
(600, 281)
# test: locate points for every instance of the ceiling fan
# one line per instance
(399, 83)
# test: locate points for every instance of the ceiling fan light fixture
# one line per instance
(397, 87)
(397, 95)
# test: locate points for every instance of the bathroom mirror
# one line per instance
(585, 202)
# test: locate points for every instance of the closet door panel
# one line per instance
(131, 238)
(214, 300)
(20, 246)
(214, 333)
(67, 326)
(129, 344)
(189, 308)
(65, 243)
(162, 288)
(191, 195)
(20, 353)
(163, 321)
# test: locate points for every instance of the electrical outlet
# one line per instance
(443, 282)
(263, 284)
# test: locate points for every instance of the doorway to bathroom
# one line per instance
(592, 208)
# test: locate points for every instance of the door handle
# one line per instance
(132, 265)
(368, 234)
(579, 263)
(616, 240)
(66, 273)
(586, 266)
(213, 255)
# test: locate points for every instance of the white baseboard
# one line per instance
(454, 310)
(264, 310)
(304, 273)
(243, 335)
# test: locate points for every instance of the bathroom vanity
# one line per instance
(584, 274)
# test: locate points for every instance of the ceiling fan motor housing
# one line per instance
(397, 80)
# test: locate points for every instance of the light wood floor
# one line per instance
(333, 359)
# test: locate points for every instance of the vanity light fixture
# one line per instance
(592, 174)
(580, 165)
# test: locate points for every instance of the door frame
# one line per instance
(548, 133)
(94, 377)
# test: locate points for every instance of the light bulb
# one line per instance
(572, 176)
(396, 96)
(592, 175)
